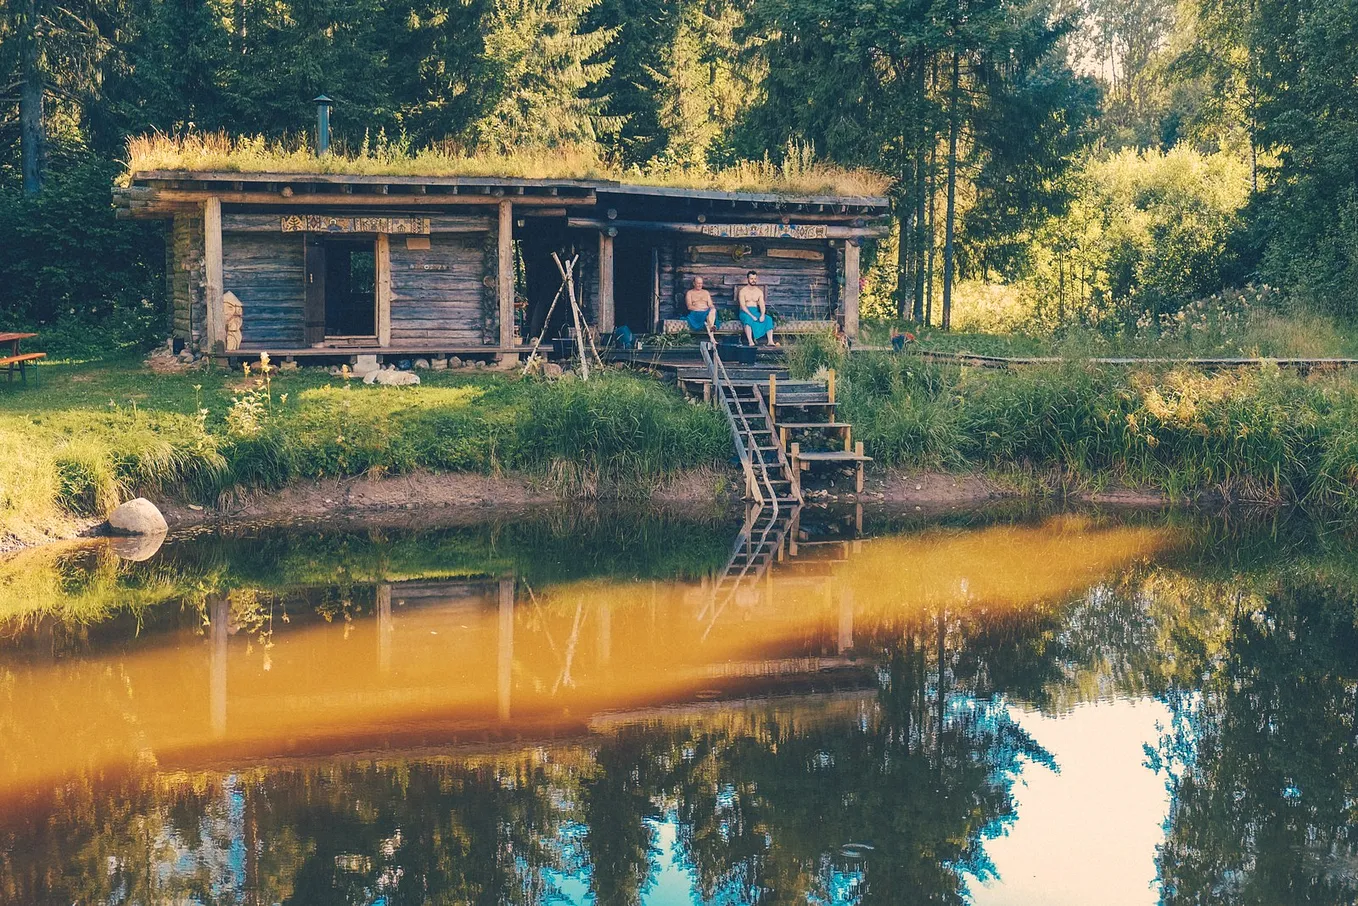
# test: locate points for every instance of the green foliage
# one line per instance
(48, 282)
(1146, 233)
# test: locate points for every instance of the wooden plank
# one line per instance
(832, 231)
(272, 223)
(212, 264)
(383, 275)
(852, 288)
(801, 254)
(505, 278)
(604, 313)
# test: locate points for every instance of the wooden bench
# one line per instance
(21, 362)
(733, 327)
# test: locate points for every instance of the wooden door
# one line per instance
(314, 325)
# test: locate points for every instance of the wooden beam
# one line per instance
(832, 231)
(505, 278)
(212, 274)
(604, 316)
(469, 222)
(383, 289)
(851, 288)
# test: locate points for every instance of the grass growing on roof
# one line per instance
(799, 173)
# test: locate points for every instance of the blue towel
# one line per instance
(697, 320)
(758, 326)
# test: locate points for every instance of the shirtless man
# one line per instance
(754, 315)
(702, 314)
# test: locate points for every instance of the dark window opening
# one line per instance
(635, 289)
(350, 288)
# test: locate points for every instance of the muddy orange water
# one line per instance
(489, 658)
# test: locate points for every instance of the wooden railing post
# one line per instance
(505, 278)
(212, 274)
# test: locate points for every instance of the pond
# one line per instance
(995, 707)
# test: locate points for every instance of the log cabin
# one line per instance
(327, 265)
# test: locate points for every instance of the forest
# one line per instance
(1053, 164)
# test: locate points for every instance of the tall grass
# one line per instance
(798, 173)
(1260, 434)
(621, 430)
(63, 459)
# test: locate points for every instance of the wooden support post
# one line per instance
(858, 483)
(773, 393)
(783, 436)
(830, 385)
(212, 274)
(504, 281)
(848, 438)
(603, 319)
(219, 618)
(845, 618)
(384, 627)
(796, 463)
(383, 289)
(851, 288)
(504, 662)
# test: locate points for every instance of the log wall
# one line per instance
(438, 294)
(799, 277)
(187, 279)
(267, 273)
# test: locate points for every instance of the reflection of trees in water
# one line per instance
(1263, 761)
(769, 802)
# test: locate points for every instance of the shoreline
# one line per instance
(392, 500)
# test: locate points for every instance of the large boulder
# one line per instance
(390, 377)
(137, 517)
(397, 378)
(136, 547)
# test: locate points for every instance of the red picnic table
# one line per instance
(16, 359)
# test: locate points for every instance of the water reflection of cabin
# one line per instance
(333, 264)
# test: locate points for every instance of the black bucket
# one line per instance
(737, 353)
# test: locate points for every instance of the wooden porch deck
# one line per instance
(350, 354)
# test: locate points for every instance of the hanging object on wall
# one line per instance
(326, 223)
(766, 230)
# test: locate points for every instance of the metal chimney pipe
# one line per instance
(322, 125)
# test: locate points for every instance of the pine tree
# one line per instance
(49, 56)
(542, 67)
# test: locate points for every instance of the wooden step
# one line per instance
(803, 426)
(831, 456)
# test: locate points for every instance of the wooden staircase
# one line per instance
(769, 477)
(780, 427)
(810, 431)
(761, 541)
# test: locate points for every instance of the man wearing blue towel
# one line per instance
(702, 314)
(753, 305)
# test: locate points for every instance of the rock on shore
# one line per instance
(137, 517)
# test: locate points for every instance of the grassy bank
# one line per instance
(86, 437)
(1260, 434)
